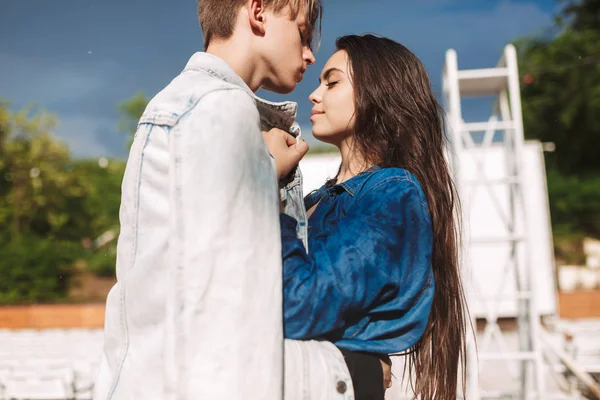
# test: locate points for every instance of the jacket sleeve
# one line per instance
(225, 294)
(384, 240)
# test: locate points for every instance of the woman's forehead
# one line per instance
(338, 60)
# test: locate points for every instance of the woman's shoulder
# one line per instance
(395, 177)
(394, 184)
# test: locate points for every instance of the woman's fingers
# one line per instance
(285, 149)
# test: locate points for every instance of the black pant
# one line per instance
(366, 373)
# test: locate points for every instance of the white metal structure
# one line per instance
(503, 129)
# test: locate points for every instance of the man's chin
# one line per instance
(280, 88)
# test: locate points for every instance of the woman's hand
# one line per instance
(286, 151)
(387, 374)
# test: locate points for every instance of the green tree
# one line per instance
(561, 97)
(581, 15)
(41, 195)
(41, 208)
(103, 187)
(36, 269)
(131, 111)
(103, 200)
(54, 209)
(561, 104)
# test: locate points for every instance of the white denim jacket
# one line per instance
(197, 309)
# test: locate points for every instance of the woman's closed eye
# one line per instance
(331, 84)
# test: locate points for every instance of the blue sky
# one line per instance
(80, 58)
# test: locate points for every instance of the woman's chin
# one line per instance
(323, 137)
(318, 135)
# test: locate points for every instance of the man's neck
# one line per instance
(240, 58)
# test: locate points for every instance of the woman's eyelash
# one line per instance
(330, 84)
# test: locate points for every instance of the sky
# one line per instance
(79, 58)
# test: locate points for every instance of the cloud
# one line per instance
(51, 83)
(90, 136)
(78, 91)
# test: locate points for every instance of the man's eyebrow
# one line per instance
(307, 33)
(329, 72)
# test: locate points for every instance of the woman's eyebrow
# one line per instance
(329, 72)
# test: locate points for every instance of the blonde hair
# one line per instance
(217, 17)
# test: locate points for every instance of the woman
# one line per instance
(381, 274)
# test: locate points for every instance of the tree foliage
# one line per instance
(51, 207)
(131, 111)
(561, 97)
(581, 15)
(561, 104)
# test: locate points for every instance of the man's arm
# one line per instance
(224, 333)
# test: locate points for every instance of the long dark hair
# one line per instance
(399, 123)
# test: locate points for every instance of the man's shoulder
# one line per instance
(227, 100)
(196, 90)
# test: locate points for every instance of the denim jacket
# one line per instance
(196, 312)
(366, 283)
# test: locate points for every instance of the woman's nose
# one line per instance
(315, 96)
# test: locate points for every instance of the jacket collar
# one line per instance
(354, 184)
(272, 114)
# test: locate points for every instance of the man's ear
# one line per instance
(257, 16)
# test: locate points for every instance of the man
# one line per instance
(197, 310)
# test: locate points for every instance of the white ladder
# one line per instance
(471, 140)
